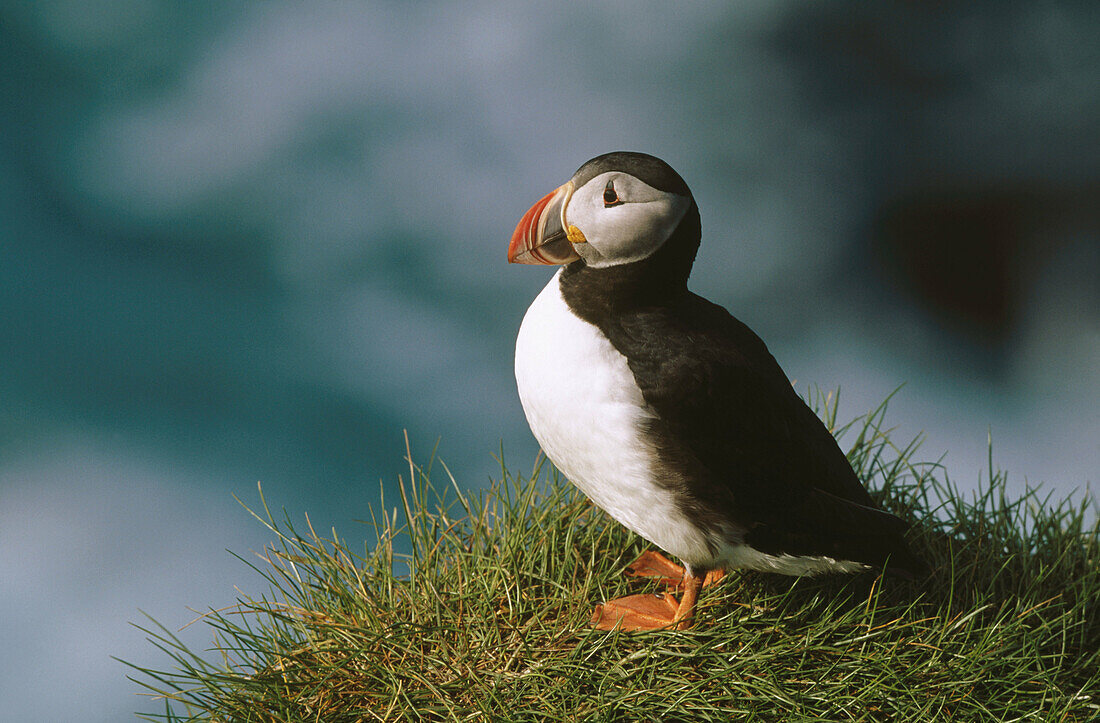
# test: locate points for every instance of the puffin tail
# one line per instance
(825, 524)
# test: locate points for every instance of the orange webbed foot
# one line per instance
(636, 612)
(656, 566)
(714, 577)
(649, 612)
(653, 564)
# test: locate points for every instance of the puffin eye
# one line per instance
(610, 197)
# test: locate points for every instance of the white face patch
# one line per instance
(621, 233)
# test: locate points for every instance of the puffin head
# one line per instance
(618, 208)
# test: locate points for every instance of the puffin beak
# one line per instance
(541, 237)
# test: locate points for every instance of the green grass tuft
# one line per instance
(484, 616)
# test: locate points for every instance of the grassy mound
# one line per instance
(472, 607)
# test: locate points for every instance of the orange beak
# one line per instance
(540, 237)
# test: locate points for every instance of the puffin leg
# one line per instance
(685, 611)
(654, 565)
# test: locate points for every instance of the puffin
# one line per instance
(669, 413)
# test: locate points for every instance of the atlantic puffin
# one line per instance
(669, 413)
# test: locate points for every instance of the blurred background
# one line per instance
(254, 242)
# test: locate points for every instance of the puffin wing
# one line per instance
(739, 440)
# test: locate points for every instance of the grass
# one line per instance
(474, 607)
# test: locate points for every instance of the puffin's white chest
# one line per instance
(585, 409)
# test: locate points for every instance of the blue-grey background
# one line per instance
(253, 242)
